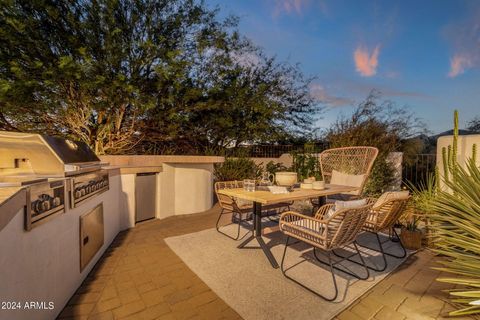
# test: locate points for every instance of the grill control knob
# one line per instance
(36, 206)
(46, 205)
(56, 202)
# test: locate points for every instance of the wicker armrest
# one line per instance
(385, 215)
(301, 226)
(323, 210)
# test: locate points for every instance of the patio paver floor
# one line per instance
(139, 277)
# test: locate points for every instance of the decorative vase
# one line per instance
(319, 185)
(411, 239)
(286, 178)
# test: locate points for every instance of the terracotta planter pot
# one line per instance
(411, 239)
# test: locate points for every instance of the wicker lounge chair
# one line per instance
(240, 211)
(349, 162)
(326, 233)
(382, 217)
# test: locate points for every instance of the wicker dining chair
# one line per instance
(383, 217)
(326, 233)
(240, 211)
(229, 205)
(347, 160)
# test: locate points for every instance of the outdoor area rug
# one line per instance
(245, 280)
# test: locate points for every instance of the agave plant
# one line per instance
(423, 195)
(456, 225)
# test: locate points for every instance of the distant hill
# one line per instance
(450, 133)
(430, 142)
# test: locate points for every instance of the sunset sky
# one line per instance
(422, 54)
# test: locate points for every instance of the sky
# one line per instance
(423, 54)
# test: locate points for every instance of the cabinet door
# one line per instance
(91, 234)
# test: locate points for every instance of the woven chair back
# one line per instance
(389, 213)
(344, 226)
(349, 160)
(227, 202)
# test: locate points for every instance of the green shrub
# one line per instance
(274, 167)
(237, 169)
(305, 165)
(456, 226)
(381, 177)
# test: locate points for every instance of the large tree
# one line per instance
(125, 76)
(474, 125)
(382, 124)
(237, 98)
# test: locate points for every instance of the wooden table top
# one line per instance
(266, 197)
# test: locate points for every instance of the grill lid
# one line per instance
(71, 151)
(26, 153)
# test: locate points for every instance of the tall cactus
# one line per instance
(474, 153)
(449, 159)
(445, 164)
(450, 154)
(455, 140)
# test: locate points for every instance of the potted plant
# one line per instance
(411, 236)
(423, 197)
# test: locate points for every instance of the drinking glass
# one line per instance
(249, 185)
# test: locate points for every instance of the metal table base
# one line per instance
(257, 233)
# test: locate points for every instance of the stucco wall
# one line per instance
(44, 264)
(465, 144)
(185, 188)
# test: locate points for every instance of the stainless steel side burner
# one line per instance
(44, 201)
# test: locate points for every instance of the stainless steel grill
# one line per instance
(52, 169)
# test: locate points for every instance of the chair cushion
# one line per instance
(344, 205)
(308, 225)
(345, 179)
(391, 195)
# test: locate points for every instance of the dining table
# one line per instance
(265, 197)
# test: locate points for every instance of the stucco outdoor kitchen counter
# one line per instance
(152, 160)
(184, 185)
(178, 172)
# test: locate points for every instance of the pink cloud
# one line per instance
(366, 63)
(459, 63)
(463, 36)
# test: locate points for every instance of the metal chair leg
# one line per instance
(240, 220)
(404, 254)
(363, 262)
(348, 259)
(382, 251)
(305, 287)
